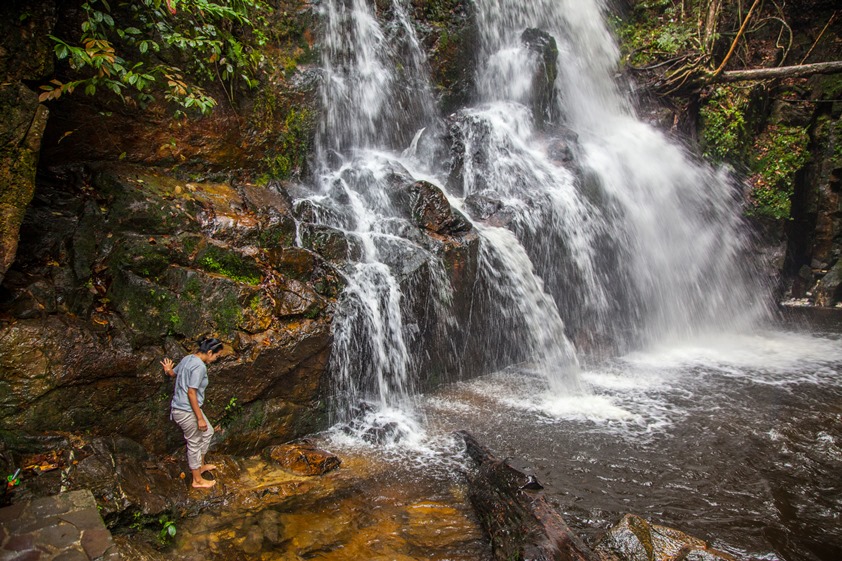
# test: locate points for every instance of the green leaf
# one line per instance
(171, 530)
(144, 46)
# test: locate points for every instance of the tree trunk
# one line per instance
(514, 512)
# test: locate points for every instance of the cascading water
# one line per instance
(593, 227)
(370, 108)
(656, 243)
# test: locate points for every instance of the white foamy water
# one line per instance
(651, 390)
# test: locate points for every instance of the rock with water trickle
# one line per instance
(635, 539)
(828, 291)
(302, 458)
(545, 49)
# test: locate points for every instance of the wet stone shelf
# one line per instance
(65, 527)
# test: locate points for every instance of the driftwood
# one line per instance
(514, 512)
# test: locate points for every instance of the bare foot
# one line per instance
(207, 467)
(204, 483)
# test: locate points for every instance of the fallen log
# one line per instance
(799, 71)
(515, 513)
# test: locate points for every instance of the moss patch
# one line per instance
(289, 157)
(724, 125)
(229, 264)
(779, 153)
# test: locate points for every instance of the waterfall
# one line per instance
(595, 230)
(666, 253)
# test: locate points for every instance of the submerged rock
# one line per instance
(303, 458)
(635, 539)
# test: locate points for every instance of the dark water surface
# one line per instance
(737, 440)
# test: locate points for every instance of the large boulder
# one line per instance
(136, 265)
(302, 458)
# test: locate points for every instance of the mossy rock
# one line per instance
(143, 255)
(228, 263)
(148, 309)
(146, 204)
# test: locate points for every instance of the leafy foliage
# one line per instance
(292, 145)
(127, 55)
(779, 153)
(656, 30)
(724, 125)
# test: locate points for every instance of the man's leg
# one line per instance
(206, 440)
(194, 438)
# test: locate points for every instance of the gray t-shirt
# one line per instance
(191, 372)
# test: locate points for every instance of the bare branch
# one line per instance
(816, 42)
(742, 30)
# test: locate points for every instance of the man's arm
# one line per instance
(194, 404)
(168, 364)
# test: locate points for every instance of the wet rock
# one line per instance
(828, 291)
(432, 211)
(544, 103)
(517, 517)
(65, 526)
(466, 136)
(123, 476)
(488, 209)
(331, 243)
(303, 458)
(635, 539)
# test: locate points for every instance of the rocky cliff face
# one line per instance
(135, 264)
(147, 231)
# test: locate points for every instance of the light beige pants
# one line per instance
(197, 441)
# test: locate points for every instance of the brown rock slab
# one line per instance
(303, 458)
(61, 527)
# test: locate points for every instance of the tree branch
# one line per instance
(742, 30)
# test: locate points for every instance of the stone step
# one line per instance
(64, 527)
